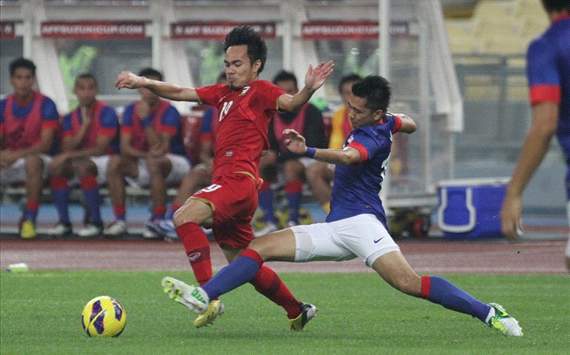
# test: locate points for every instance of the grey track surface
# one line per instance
(545, 256)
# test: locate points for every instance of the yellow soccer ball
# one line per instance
(103, 316)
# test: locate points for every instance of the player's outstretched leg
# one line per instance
(394, 268)
(248, 267)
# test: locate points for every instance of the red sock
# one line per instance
(271, 286)
(197, 249)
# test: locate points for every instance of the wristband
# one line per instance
(310, 152)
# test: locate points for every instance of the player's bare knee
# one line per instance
(262, 248)
(409, 284)
(34, 165)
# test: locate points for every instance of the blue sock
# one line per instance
(91, 194)
(266, 204)
(439, 290)
(60, 193)
(293, 191)
(242, 270)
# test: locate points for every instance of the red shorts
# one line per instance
(234, 201)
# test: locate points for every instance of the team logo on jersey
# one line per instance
(244, 90)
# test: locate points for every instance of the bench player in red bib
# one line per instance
(28, 125)
(245, 105)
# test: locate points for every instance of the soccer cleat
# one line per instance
(215, 309)
(164, 228)
(60, 229)
(194, 298)
(27, 229)
(90, 230)
(116, 228)
(309, 312)
(149, 233)
(499, 319)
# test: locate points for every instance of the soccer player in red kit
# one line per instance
(245, 105)
(28, 124)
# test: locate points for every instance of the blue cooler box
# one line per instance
(471, 208)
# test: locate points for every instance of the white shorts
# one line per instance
(101, 162)
(17, 171)
(180, 167)
(361, 236)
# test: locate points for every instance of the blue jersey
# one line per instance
(548, 72)
(356, 188)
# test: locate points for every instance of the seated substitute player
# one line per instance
(548, 72)
(245, 105)
(90, 136)
(28, 124)
(321, 174)
(356, 226)
(309, 122)
(152, 154)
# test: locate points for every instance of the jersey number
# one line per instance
(224, 110)
(211, 188)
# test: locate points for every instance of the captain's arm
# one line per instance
(346, 156)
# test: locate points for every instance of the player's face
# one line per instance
(86, 91)
(148, 96)
(288, 86)
(22, 81)
(238, 67)
(359, 114)
(346, 91)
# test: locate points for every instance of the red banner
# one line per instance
(217, 29)
(7, 30)
(348, 29)
(94, 29)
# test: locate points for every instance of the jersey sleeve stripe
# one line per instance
(49, 124)
(397, 124)
(168, 130)
(107, 131)
(544, 93)
(361, 150)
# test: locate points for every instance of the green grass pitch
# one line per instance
(358, 314)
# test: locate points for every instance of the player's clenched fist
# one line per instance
(129, 80)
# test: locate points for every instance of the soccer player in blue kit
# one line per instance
(548, 72)
(356, 225)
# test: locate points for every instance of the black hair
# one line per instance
(88, 76)
(246, 35)
(150, 72)
(556, 5)
(22, 63)
(376, 90)
(352, 77)
(285, 75)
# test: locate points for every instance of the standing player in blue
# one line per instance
(548, 72)
(356, 225)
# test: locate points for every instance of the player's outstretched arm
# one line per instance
(295, 143)
(128, 80)
(314, 79)
(407, 124)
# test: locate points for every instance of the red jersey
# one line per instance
(242, 124)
